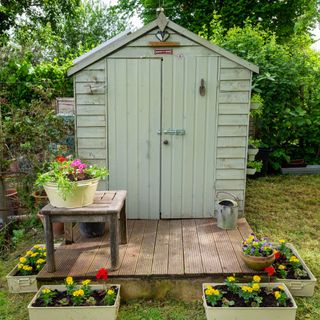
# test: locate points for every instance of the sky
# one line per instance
(137, 23)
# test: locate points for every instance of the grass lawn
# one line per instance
(279, 207)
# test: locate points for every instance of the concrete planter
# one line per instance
(74, 312)
(250, 313)
(21, 284)
(252, 152)
(300, 287)
(251, 171)
(82, 194)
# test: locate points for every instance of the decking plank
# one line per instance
(191, 248)
(244, 228)
(176, 258)
(228, 258)
(161, 250)
(209, 253)
(236, 241)
(128, 266)
(145, 260)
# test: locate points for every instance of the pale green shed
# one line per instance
(168, 113)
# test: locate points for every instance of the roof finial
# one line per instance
(159, 10)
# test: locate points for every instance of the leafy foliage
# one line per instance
(282, 17)
(288, 84)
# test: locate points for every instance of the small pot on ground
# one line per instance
(257, 263)
(57, 227)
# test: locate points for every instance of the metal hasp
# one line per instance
(174, 132)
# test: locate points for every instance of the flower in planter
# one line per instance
(252, 246)
(213, 295)
(280, 296)
(32, 262)
(47, 296)
(65, 172)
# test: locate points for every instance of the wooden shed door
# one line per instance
(134, 107)
(188, 160)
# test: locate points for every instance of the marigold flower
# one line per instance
(293, 259)
(34, 254)
(20, 266)
(231, 279)
(256, 278)
(110, 292)
(69, 280)
(46, 290)
(282, 241)
(40, 261)
(27, 268)
(23, 260)
(216, 292)
(277, 294)
(86, 282)
(281, 267)
(78, 293)
(36, 246)
(29, 253)
(281, 287)
(256, 287)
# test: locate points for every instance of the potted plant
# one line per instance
(257, 254)
(253, 148)
(71, 183)
(248, 301)
(253, 167)
(22, 278)
(290, 269)
(256, 101)
(76, 301)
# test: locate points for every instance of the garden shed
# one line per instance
(168, 113)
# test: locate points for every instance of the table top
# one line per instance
(104, 202)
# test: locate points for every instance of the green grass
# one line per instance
(278, 207)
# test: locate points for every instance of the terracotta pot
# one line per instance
(40, 199)
(57, 227)
(257, 263)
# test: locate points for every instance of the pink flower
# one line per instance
(75, 163)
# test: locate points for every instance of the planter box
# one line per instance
(22, 284)
(74, 312)
(300, 287)
(250, 313)
(251, 171)
(252, 152)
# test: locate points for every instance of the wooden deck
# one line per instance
(158, 248)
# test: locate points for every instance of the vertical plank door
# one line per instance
(188, 161)
(134, 107)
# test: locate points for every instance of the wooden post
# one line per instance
(123, 224)
(68, 232)
(51, 267)
(114, 241)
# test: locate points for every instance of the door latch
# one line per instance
(174, 132)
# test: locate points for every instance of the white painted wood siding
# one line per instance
(188, 161)
(134, 103)
(90, 100)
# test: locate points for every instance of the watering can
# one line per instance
(227, 211)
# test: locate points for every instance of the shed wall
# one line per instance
(234, 90)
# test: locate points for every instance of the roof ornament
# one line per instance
(162, 20)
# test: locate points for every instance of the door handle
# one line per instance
(165, 142)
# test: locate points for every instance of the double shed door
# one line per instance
(162, 135)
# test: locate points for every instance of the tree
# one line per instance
(282, 17)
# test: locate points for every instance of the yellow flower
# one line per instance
(40, 261)
(277, 294)
(34, 254)
(293, 259)
(250, 239)
(86, 282)
(20, 266)
(256, 278)
(69, 280)
(209, 291)
(46, 290)
(249, 289)
(44, 254)
(216, 292)
(27, 268)
(78, 293)
(244, 288)
(36, 246)
(23, 260)
(231, 279)
(255, 244)
(281, 267)
(282, 241)
(209, 287)
(110, 292)
(29, 253)
(281, 287)
(255, 287)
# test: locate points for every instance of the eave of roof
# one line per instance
(161, 22)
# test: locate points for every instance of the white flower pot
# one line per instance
(21, 284)
(251, 313)
(252, 152)
(251, 171)
(255, 105)
(300, 287)
(74, 312)
(82, 194)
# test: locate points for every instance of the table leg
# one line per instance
(49, 245)
(123, 224)
(114, 241)
(68, 232)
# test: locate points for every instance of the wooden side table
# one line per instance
(108, 206)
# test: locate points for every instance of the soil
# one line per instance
(80, 177)
(18, 273)
(268, 298)
(98, 295)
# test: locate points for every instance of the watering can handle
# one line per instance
(229, 193)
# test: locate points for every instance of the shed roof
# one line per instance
(161, 22)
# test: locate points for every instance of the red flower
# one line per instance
(61, 159)
(277, 254)
(270, 270)
(102, 274)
